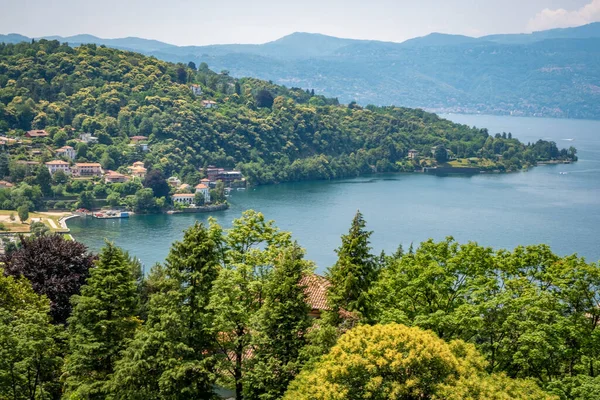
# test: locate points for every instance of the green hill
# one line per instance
(270, 132)
(551, 73)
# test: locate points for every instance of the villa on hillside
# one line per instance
(184, 187)
(37, 133)
(138, 170)
(88, 138)
(87, 169)
(209, 104)
(5, 184)
(196, 89)
(66, 151)
(115, 177)
(412, 154)
(137, 139)
(58, 165)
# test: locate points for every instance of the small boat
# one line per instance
(112, 214)
(241, 188)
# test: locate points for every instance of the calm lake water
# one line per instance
(503, 211)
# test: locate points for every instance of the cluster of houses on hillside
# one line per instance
(137, 170)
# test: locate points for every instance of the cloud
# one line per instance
(561, 18)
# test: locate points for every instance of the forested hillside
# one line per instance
(270, 132)
(549, 73)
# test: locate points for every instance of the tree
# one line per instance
(354, 273)
(171, 355)
(29, 345)
(102, 323)
(156, 181)
(86, 200)
(441, 154)
(393, 361)
(56, 268)
(38, 229)
(60, 178)
(60, 138)
(192, 65)
(264, 98)
(251, 248)
(144, 201)
(44, 180)
(23, 212)
(281, 327)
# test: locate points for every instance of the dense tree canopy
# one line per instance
(56, 267)
(270, 132)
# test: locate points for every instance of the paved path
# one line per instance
(52, 223)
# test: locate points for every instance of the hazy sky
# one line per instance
(198, 22)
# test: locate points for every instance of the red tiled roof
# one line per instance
(316, 291)
(88, 165)
(183, 195)
(201, 186)
(57, 162)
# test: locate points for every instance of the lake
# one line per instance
(555, 204)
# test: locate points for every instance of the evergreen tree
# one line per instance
(44, 180)
(354, 273)
(102, 323)
(171, 355)
(281, 328)
(29, 349)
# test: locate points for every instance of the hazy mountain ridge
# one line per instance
(549, 73)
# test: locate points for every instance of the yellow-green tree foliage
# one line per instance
(399, 362)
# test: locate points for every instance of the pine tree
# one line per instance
(353, 274)
(102, 323)
(171, 355)
(281, 328)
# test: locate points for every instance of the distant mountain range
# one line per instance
(549, 73)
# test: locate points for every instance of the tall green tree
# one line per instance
(355, 271)
(251, 249)
(171, 356)
(102, 324)
(44, 180)
(281, 327)
(29, 345)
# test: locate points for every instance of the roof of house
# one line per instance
(183, 195)
(316, 291)
(204, 180)
(37, 132)
(208, 102)
(64, 149)
(6, 184)
(57, 162)
(114, 174)
(88, 165)
(138, 163)
(201, 186)
(138, 137)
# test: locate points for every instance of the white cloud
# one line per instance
(561, 18)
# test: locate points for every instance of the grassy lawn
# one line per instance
(470, 162)
(48, 219)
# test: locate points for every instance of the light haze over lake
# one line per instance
(502, 211)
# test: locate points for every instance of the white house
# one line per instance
(58, 165)
(412, 154)
(66, 151)
(196, 89)
(209, 104)
(88, 138)
(183, 198)
(202, 188)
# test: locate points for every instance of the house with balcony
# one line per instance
(86, 169)
(183, 198)
(115, 177)
(58, 165)
(137, 170)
